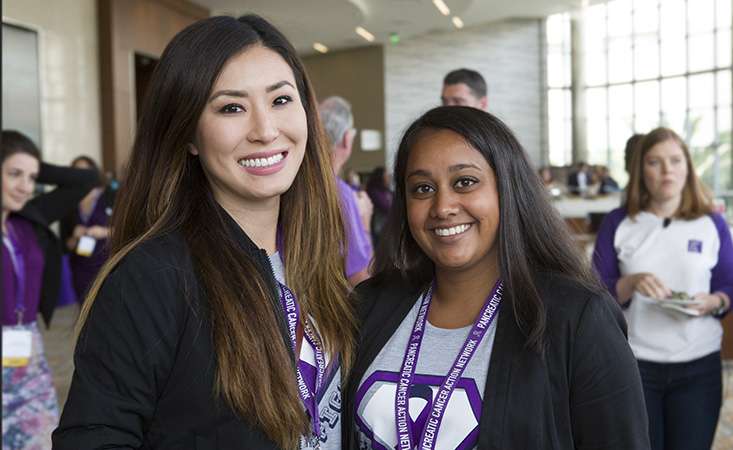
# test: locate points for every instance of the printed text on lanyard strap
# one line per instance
(429, 435)
(308, 383)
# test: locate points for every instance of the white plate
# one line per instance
(683, 309)
(679, 305)
(680, 301)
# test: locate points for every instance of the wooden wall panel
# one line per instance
(127, 27)
(358, 76)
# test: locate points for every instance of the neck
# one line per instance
(4, 219)
(665, 208)
(460, 295)
(258, 221)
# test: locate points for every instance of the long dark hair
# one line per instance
(12, 142)
(166, 190)
(532, 236)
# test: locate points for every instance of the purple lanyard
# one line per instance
(429, 435)
(18, 263)
(309, 383)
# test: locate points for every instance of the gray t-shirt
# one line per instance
(375, 398)
(329, 396)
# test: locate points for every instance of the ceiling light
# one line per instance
(365, 34)
(457, 22)
(320, 47)
(442, 7)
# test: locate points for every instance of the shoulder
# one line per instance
(721, 225)
(346, 192)
(165, 249)
(383, 294)
(158, 264)
(615, 217)
(151, 290)
(32, 214)
(567, 301)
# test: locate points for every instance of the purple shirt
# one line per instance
(85, 268)
(24, 238)
(358, 243)
(381, 198)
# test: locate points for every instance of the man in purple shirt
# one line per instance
(338, 122)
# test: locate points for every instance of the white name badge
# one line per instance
(86, 245)
(17, 345)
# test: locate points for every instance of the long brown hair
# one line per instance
(695, 196)
(166, 190)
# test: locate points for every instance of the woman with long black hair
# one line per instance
(483, 326)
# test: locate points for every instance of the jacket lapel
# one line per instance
(262, 262)
(508, 342)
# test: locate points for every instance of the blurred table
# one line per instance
(571, 207)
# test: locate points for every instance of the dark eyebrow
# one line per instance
(278, 85)
(244, 94)
(228, 93)
(418, 173)
(453, 168)
(457, 167)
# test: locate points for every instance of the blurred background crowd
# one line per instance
(580, 82)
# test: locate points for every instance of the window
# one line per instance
(559, 107)
(648, 63)
(21, 85)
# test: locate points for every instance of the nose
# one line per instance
(444, 205)
(666, 167)
(27, 185)
(263, 127)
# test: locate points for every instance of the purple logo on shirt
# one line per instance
(375, 411)
(694, 246)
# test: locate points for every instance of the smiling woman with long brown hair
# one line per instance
(227, 224)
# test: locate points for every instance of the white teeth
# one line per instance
(261, 162)
(458, 229)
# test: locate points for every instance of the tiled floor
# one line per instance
(59, 346)
(724, 435)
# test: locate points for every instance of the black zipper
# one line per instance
(276, 304)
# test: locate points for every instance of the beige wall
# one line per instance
(358, 76)
(69, 74)
(509, 56)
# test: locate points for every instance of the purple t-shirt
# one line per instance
(24, 243)
(358, 243)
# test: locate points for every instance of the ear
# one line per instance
(192, 149)
(484, 102)
(348, 140)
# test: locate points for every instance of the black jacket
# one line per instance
(45, 209)
(145, 362)
(584, 392)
